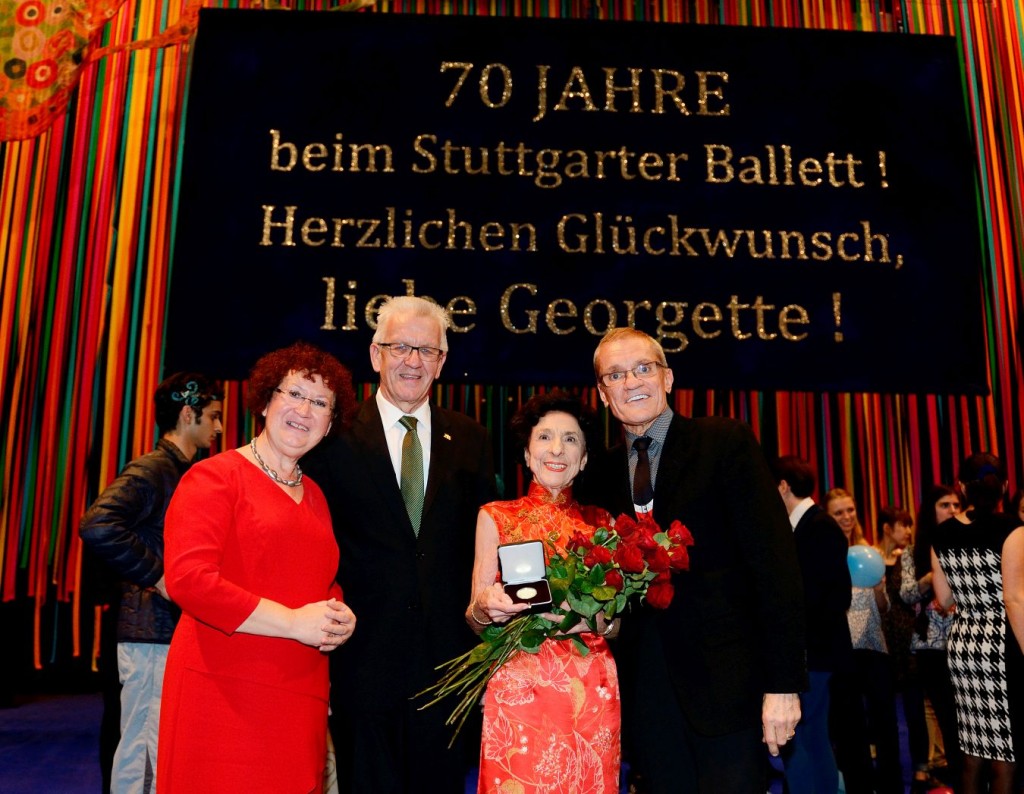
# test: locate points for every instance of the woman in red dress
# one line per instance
(251, 560)
(551, 719)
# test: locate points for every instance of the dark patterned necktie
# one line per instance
(643, 492)
(412, 472)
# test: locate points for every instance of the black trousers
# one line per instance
(864, 713)
(672, 758)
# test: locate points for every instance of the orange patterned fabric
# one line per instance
(551, 719)
(43, 46)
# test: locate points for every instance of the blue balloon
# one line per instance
(867, 568)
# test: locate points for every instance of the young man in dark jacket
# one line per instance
(125, 528)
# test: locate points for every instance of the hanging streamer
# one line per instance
(86, 233)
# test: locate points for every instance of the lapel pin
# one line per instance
(447, 437)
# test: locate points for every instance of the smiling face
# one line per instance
(294, 426)
(557, 451)
(636, 402)
(844, 511)
(406, 382)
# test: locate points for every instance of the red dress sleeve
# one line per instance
(199, 525)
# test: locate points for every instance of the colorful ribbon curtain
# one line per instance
(87, 211)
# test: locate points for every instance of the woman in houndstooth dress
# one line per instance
(972, 553)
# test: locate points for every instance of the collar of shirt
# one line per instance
(798, 511)
(657, 432)
(394, 432)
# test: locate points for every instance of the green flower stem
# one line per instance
(467, 675)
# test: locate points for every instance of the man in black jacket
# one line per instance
(821, 548)
(711, 677)
(124, 527)
(406, 566)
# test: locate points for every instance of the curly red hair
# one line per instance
(308, 360)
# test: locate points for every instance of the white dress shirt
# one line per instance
(395, 432)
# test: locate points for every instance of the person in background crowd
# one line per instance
(810, 765)
(898, 626)
(404, 486)
(864, 701)
(932, 622)
(718, 672)
(978, 562)
(1016, 504)
(251, 560)
(124, 527)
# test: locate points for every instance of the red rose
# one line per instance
(629, 558)
(625, 525)
(658, 559)
(659, 596)
(595, 516)
(644, 538)
(613, 579)
(680, 558)
(679, 534)
(599, 555)
(579, 541)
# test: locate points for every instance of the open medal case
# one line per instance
(523, 575)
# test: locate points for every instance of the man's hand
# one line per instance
(779, 716)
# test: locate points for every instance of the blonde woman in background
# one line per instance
(864, 699)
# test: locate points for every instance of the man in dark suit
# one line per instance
(404, 486)
(709, 678)
(821, 548)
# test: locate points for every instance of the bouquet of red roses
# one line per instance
(600, 574)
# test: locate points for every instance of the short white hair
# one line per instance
(411, 306)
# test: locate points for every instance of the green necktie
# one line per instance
(412, 472)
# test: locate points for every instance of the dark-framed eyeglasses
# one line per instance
(642, 371)
(294, 398)
(403, 351)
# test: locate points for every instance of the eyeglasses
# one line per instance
(295, 399)
(642, 371)
(403, 351)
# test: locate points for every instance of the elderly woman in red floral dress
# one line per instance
(551, 718)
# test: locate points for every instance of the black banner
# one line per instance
(784, 209)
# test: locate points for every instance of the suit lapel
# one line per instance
(442, 447)
(368, 432)
(672, 466)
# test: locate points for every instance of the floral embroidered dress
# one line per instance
(551, 719)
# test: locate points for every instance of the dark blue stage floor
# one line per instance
(49, 744)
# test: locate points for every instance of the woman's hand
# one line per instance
(606, 628)
(341, 623)
(493, 605)
(323, 624)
